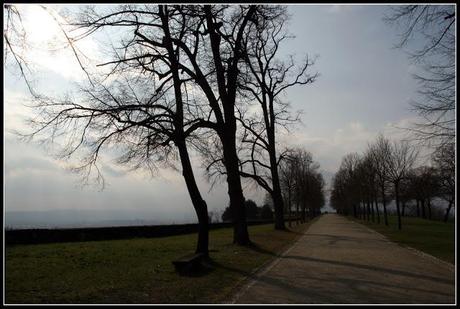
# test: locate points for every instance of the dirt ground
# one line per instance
(338, 261)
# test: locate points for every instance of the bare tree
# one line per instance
(304, 161)
(317, 198)
(360, 178)
(178, 47)
(14, 36)
(341, 199)
(301, 183)
(379, 151)
(430, 186)
(405, 193)
(444, 162)
(435, 26)
(413, 191)
(19, 46)
(367, 175)
(208, 44)
(398, 163)
(287, 184)
(266, 80)
(142, 111)
(349, 165)
(338, 193)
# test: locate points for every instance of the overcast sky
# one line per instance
(364, 88)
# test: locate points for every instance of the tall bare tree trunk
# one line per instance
(385, 215)
(428, 204)
(227, 87)
(422, 201)
(297, 212)
(277, 197)
(279, 208)
(368, 211)
(304, 213)
(235, 192)
(270, 122)
(199, 204)
(289, 206)
(446, 216)
(372, 210)
(398, 211)
(377, 211)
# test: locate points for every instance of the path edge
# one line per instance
(411, 249)
(249, 280)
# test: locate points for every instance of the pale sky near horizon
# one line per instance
(364, 88)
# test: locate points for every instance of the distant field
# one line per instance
(136, 270)
(433, 237)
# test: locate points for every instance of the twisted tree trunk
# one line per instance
(199, 204)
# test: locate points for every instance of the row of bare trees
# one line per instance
(302, 185)
(182, 79)
(427, 33)
(365, 184)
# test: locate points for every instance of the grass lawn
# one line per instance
(136, 270)
(433, 237)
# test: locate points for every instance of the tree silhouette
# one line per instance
(266, 80)
(306, 187)
(266, 213)
(434, 26)
(399, 161)
(181, 50)
(139, 106)
(379, 152)
(444, 163)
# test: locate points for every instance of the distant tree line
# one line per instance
(365, 184)
(253, 212)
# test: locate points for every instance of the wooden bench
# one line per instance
(189, 262)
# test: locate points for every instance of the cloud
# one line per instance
(335, 8)
(353, 137)
(341, 8)
(27, 166)
(35, 181)
(399, 130)
(15, 112)
(113, 171)
(328, 150)
(46, 48)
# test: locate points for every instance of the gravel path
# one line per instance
(338, 261)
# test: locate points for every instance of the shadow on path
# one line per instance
(327, 296)
(373, 268)
(337, 261)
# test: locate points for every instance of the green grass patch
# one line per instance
(136, 270)
(433, 237)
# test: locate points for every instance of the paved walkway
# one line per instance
(338, 261)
